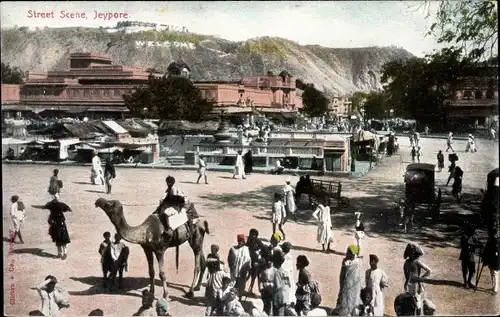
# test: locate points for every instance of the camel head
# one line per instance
(110, 207)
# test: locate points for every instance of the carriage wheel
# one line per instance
(344, 202)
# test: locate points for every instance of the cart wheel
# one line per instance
(343, 202)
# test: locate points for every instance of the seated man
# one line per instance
(175, 200)
(278, 169)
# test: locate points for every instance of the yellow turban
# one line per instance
(277, 236)
(354, 249)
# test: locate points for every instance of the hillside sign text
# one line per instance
(167, 44)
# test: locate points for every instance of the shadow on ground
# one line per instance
(35, 251)
(129, 285)
(377, 200)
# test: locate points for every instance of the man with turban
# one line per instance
(239, 262)
(96, 172)
(162, 307)
(350, 283)
(376, 280)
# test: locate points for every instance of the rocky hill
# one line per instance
(333, 70)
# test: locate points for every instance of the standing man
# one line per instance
(248, 162)
(239, 262)
(289, 194)
(109, 175)
(449, 142)
(469, 243)
(376, 280)
(119, 255)
(491, 259)
(96, 173)
(54, 183)
(281, 285)
(440, 159)
(202, 169)
(17, 214)
(239, 167)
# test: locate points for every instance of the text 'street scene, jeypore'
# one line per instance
(250, 158)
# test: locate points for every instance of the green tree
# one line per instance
(469, 25)
(12, 75)
(171, 98)
(376, 105)
(419, 87)
(315, 102)
(358, 98)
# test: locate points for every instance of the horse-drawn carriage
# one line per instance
(420, 188)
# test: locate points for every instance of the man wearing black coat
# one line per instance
(109, 175)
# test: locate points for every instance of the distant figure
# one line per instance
(248, 160)
(419, 153)
(457, 183)
(493, 133)
(289, 195)
(278, 169)
(451, 170)
(18, 215)
(471, 145)
(314, 164)
(202, 169)
(469, 243)
(413, 154)
(96, 172)
(412, 140)
(239, 167)
(54, 183)
(449, 142)
(427, 130)
(324, 235)
(109, 175)
(491, 259)
(440, 160)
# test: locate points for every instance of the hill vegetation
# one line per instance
(334, 70)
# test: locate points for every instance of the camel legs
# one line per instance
(149, 257)
(161, 266)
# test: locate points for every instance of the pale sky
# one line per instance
(329, 23)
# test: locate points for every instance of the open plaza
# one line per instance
(234, 206)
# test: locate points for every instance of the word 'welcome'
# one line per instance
(187, 45)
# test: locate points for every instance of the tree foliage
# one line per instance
(315, 102)
(469, 25)
(170, 98)
(358, 99)
(376, 105)
(419, 87)
(12, 75)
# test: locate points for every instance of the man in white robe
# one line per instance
(324, 233)
(239, 262)
(96, 172)
(239, 167)
(376, 280)
(289, 193)
(17, 214)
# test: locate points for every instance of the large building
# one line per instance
(340, 106)
(94, 86)
(475, 99)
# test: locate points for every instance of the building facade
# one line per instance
(340, 106)
(94, 85)
(475, 99)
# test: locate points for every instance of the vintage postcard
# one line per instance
(250, 158)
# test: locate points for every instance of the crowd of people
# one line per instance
(270, 265)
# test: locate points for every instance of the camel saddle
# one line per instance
(174, 212)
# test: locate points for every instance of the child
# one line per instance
(413, 153)
(221, 294)
(215, 282)
(278, 214)
(147, 304)
(359, 231)
(18, 215)
(315, 302)
(366, 308)
(102, 251)
(266, 286)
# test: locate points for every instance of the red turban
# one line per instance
(240, 237)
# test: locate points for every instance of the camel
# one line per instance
(149, 235)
